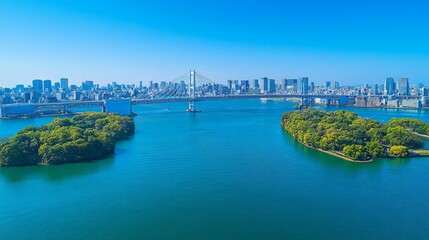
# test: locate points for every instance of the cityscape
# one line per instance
(214, 120)
(19, 101)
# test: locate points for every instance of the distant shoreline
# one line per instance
(353, 106)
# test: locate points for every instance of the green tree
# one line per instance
(356, 152)
(399, 151)
(375, 149)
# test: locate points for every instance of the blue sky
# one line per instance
(128, 41)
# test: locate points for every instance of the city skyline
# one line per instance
(78, 83)
(132, 41)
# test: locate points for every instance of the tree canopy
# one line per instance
(355, 137)
(83, 137)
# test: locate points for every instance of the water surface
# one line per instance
(229, 172)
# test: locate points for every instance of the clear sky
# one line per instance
(128, 41)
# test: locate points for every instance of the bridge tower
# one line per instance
(192, 86)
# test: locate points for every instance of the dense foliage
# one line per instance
(356, 138)
(81, 138)
(399, 151)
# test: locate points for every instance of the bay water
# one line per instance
(229, 172)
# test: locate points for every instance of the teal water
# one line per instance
(229, 172)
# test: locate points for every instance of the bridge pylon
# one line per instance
(192, 88)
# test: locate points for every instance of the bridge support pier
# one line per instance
(192, 86)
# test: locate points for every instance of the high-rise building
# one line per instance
(327, 84)
(403, 86)
(271, 86)
(302, 85)
(337, 85)
(389, 86)
(312, 87)
(64, 84)
(89, 85)
(292, 84)
(425, 91)
(141, 85)
(37, 85)
(283, 84)
(255, 83)
(47, 85)
(264, 84)
(57, 86)
(334, 84)
(245, 85)
(374, 89)
(229, 84)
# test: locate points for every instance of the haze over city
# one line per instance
(132, 41)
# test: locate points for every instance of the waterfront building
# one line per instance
(292, 85)
(334, 85)
(35, 96)
(283, 84)
(38, 85)
(312, 87)
(229, 84)
(389, 86)
(425, 91)
(302, 85)
(60, 96)
(245, 85)
(264, 85)
(57, 86)
(47, 85)
(255, 84)
(89, 85)
(64, 84)
(411, 103)
(374, 89)
(403, 87)
(271, 86)
(19, 88)
(75, 95)
(327, 84)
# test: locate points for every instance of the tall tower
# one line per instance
(192, 90)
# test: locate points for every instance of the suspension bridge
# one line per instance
(191, 87)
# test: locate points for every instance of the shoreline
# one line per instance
(331, 153)
(353, 106)
(420, 135)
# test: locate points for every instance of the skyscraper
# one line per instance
(374, 89)
(302, 85)
(89, 85)
(389, 86)
(271, 86)
(229, 84)
(334, 84)
(47, 85)
(403, 86)
(292, 84)
(327, 84)
(255, 83)
(64, 84)
(264, 84)
(37, 85)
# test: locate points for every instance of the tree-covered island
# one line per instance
(346, 135)
(83, 137)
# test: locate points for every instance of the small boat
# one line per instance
(193, 111)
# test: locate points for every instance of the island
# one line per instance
(345, 135)
(84, 137)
